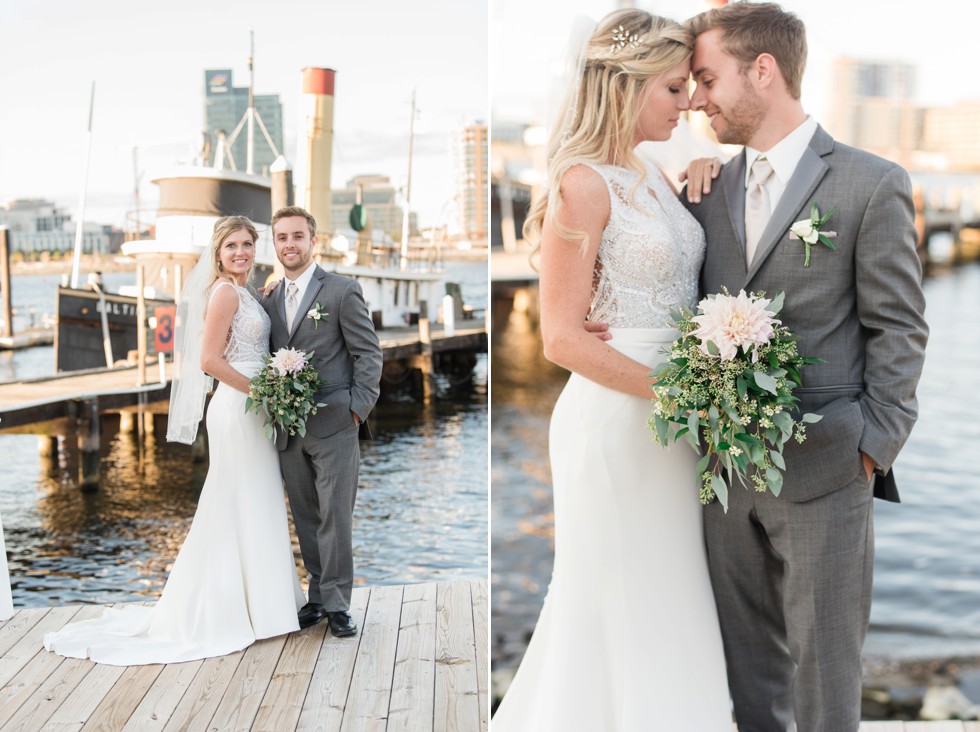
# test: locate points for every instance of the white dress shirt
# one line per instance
(784, 156)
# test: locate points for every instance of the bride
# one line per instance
(628, 638)
(234, 580)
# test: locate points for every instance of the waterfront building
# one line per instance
(379, 199)
(873, 108)
(471, 152)
(224, 107)
(954, 133)
(39, 226)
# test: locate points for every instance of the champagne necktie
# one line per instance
(292, 303)
(757, 210)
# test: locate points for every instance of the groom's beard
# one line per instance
(744, 118)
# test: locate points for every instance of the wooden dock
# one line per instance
(419, 663)
(29, 402)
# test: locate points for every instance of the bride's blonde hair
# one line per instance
(599, 115)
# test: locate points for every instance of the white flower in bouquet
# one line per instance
(288, 361)
(729, 323)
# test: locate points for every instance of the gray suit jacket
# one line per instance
(347, 353)
(859, 308)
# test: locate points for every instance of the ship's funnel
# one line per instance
(316, 145)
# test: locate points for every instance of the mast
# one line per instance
(403, 259)
(77, 255)
(250, 134)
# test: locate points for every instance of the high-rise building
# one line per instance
(872, 107)
(954, 133)
(224, 107)
(471, 155)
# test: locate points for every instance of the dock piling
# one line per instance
(89, 434)
(7, 329)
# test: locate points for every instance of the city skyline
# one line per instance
(150, 90)
(525, 83)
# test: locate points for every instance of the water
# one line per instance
(927, 565)
(421, 510)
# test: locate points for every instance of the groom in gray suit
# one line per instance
(792, 575)
(316, 311)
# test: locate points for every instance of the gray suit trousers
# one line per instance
(321, 480)
(807, 597)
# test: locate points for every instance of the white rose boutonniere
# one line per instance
(808, 230)
(316, 314)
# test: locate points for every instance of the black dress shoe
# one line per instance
(311, 614)
(341, 623)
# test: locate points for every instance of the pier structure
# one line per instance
(66, 411)
(419, 663)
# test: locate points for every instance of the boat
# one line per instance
(96, 328)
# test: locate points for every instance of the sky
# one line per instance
(148, 62)
(938, 37)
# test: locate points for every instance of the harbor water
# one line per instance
(421, 512)
(927, 565)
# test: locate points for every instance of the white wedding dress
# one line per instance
(234, 580)
(628, 638)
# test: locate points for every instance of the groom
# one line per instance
(323, 313)
(792, 575)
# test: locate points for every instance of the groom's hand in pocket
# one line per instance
(869, 465)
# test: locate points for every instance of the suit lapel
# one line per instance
(733, 183)
(312, 290)
(280, 301)
(808, 174)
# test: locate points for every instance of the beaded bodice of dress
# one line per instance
(248, 339)
(650, 254)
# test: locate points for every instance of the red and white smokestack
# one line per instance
(316, 145)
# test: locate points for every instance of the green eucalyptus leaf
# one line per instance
(775, 480)
(765, 381)
(693, 420)
(777, 459)
(721, 490)
(811, 418)
(777, 303)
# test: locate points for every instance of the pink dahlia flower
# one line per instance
(732, 322)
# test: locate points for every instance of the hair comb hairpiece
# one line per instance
(623, 38)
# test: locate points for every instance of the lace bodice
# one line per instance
(249, 336)
(650, 254)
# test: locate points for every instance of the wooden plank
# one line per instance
(17, 627)
(326, 699)
(32, 641)
(200, 701)
(945, 726)
(481, 634)
(370, 695)
(283, 701)
(162, 698)
(882, 727)
(84, 699)
(413, 685)
(118, 705)
(457, 696)
(39, 688)
(247, 687)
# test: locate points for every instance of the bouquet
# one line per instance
(285, 390)
(728, 389)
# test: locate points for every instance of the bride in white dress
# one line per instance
(628, 639)
(234, 580)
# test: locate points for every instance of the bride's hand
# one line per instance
(270, 287)
(699, 174)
